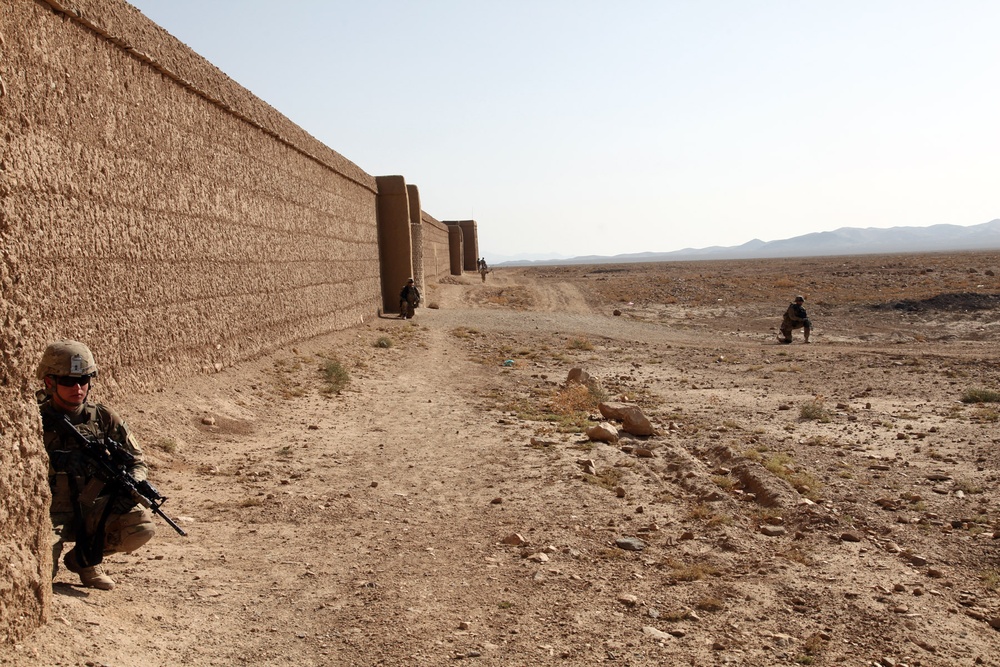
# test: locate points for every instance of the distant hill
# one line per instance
(843, 241)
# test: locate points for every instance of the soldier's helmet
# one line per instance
(67, 357)
(800, 298)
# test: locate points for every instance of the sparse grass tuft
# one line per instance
(796, 555)
(335, 377)
(803, 482)
(991, 579)
(709, 603)
(580, 344)
(696, 572)
(974, 395)
(607, 478)
(724, 482)
(814, 410)
(573, 398)
(168, 445)
(704, 512)
(383, 342)
(967, 486)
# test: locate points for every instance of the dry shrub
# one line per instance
(974, 395)
(710, 604)
(694, 572)
(572, 398)
(335, 377)
(814, 410)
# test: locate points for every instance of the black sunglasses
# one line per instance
(70, 381)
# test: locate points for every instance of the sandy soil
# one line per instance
(806, 504)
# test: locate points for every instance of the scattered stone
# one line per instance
(995, 622)
(578, 375)
(496, 501)
(939, 476)
(603, 432)
(935, 573)
(917, 560)
(464, 625)
(616, 312)
(687, 535)
(629, 600)
(643, 453)
(208, 421)
(650, 631)
(630, 544)
(773, 531)
(373, 485)
(514, 539)
(850, 536)
(538, 557)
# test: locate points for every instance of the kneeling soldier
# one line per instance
(99, 520)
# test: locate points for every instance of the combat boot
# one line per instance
(91, 577)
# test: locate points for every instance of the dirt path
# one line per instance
(366, 527)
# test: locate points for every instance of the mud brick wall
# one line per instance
(456, 249)
(155, 209)
(416, 236)
(470, 243)
(394, 239)
(434, 248)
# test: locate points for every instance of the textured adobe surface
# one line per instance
(434, 242)
(157, 210)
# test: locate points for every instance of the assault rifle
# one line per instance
(113, 462)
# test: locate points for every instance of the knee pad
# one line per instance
(128, 532)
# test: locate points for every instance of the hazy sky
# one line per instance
(578, 127)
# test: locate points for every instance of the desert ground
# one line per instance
(423, 492)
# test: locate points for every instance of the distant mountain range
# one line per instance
(843, 241)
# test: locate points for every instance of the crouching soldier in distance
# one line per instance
(409, 297)
(97, 518)
(795, 318)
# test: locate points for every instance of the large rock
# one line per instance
(634, 422)
(603, 432)
(611, 410)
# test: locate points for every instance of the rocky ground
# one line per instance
(423, 492)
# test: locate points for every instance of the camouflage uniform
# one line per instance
(83, 511)
(409, 297)
(795, 318)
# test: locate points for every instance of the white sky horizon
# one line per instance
(594, 128)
